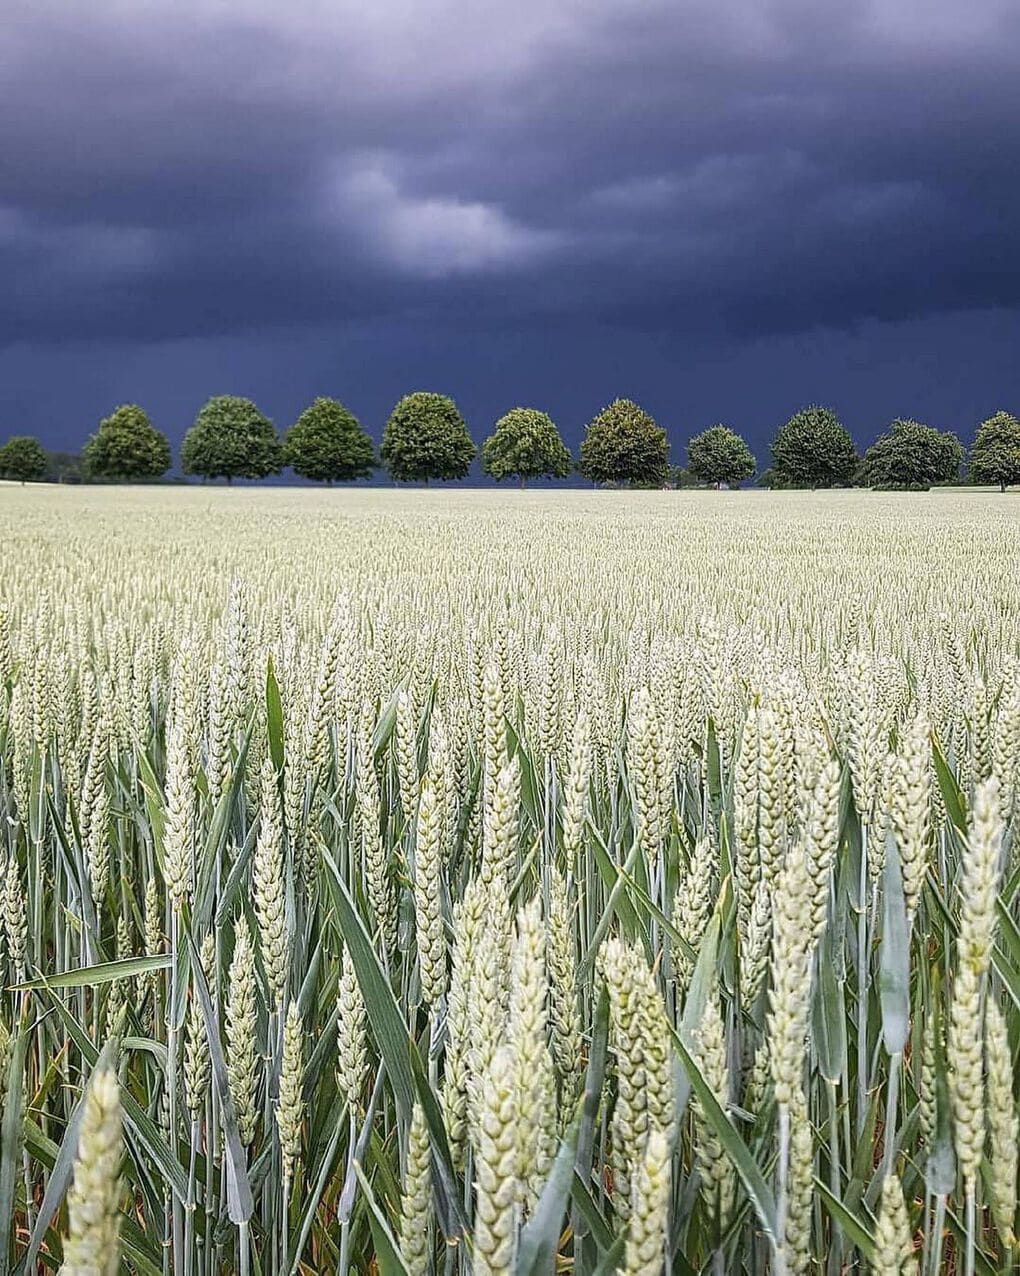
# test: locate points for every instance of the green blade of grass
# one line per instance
(387, 1252)
(749, 1173)
(102, 973)
(388, 1026)
(10, 1142)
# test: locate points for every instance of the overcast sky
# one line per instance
(723, 210)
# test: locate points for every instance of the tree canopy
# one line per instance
(327, 444)
(525, 444)
(426, 438)
(911, 455)
(813, 449)
(623, 444)
(127, 446)
(995, 456)
(23, 459)
(231, 439)
(719, 455)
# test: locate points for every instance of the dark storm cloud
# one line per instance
(175, 170)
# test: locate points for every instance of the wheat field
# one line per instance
(448, 882)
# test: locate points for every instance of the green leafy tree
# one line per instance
(525, 444)
(911, 455)
(623, 444)
(23, 459)
(327, 444)
(231, 439)
(995, 456)
(127, 446)
(719, 455)
(813, 449)
(426, 438)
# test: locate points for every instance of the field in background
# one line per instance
(628, 877)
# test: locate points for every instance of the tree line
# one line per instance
(426, 438)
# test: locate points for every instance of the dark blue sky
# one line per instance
(723, 209)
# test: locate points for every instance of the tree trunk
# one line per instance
(520, 482)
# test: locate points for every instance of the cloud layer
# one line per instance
(739, 168)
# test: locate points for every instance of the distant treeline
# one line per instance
(426, 439)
